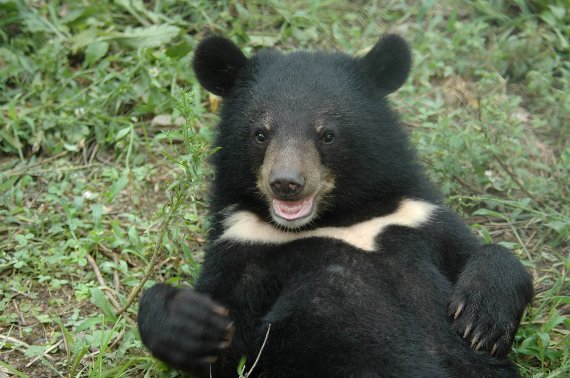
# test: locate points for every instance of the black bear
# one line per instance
(325, 228)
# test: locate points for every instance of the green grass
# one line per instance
(98, 179)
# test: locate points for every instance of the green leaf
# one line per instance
(545, 339)
(121, 134)
(549, 18)
(116, 188)
(134, 237)
(70, 147)
(95, 51)
(558, 12)
(555, 320)
(152, 36)
(96, 213)
(44, 318)
(558, 225)
(89, 322)
(99, 299)
(35, 350)
(22, 240)
(489, 213)
(8, 184)
(263, 40)
(508, 245)
(179, 50)
(85, 38)
(241, 366)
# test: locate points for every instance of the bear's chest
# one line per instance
(246, 228)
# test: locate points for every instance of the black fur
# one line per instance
(217, 65)
(334, 310)
(388, 71)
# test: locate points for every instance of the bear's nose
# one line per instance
(286, 184)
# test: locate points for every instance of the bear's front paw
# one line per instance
(489, 299)
(482, 321)
(184, 328)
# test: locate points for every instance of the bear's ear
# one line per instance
(388, 63)
(217, 62)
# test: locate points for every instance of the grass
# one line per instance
(99, 181)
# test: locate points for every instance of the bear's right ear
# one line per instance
(217, 62)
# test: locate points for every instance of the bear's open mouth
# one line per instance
(293, 210)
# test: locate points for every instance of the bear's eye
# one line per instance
(328, 138)
(260, 136)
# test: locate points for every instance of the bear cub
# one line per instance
(325, 229)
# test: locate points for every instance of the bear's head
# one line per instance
(308, 138)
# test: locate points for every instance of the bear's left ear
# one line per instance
(388, 63)
(217, 63)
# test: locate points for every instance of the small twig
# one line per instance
(95, 268)
(84, 153)
(20, 171)
(106, 251)
(107, 290)
(22, 293)
(260, 351)
(129, 150)
(15, 341)
(93, 153)
(20, 316)
(117, 339)
(111, 254)
(103, 160)
(165, 261)
(469, 186)
(93, 354)
(45, 354)
(66, 345)
(515, 179)
(531, 236)
(116, 279)
(44, 330)
(523, 245)
(40, 172)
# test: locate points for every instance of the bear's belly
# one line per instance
(380, 290)
(393, 320)
(383, 311)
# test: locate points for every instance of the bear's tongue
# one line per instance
(292, 210)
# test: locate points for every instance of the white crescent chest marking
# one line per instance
(246, 227)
